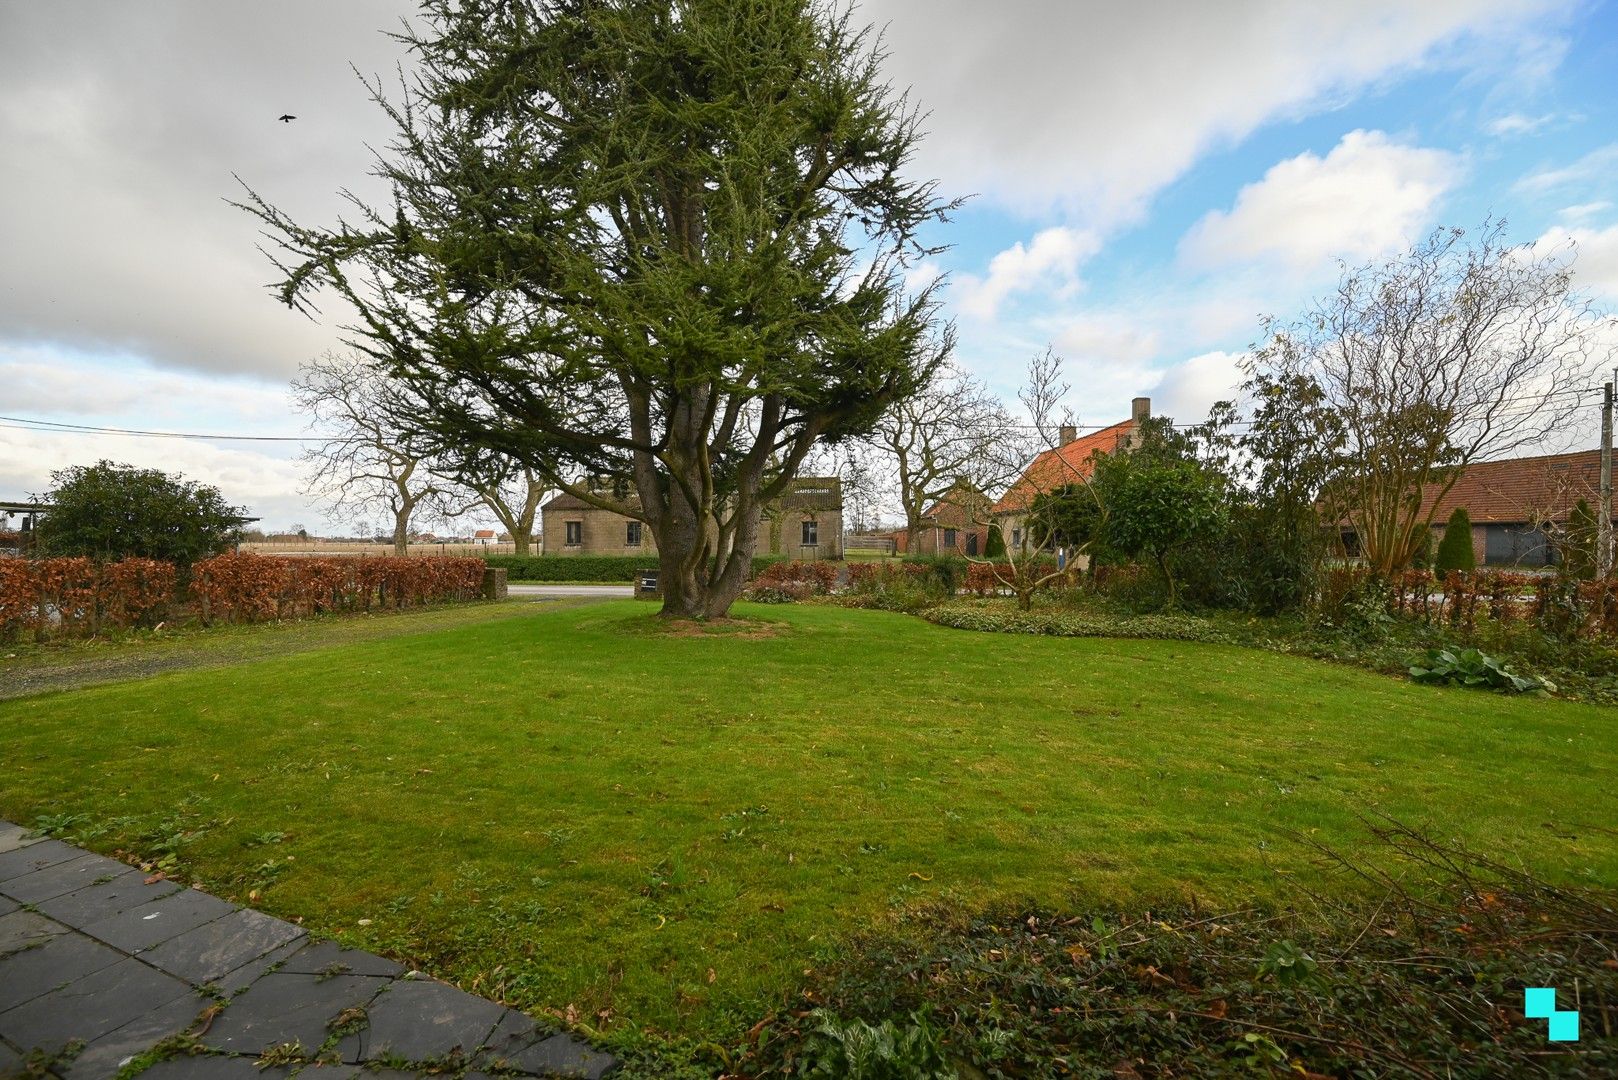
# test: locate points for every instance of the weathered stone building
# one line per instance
(806, 523)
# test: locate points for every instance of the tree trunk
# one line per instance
(519, 543)
(401, 531)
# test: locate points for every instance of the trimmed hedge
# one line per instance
(79, 597)
(257, 588)
(1000, 618)
(606, 569)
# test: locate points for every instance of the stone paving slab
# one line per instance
(97, 902)
(88, 1008)
(104, 1056)
(283, 1008)
(156, 921)
(213, 1068)
(92, 954)
(330, 958)
(31, 973)
(418, 1020)
(217, 948)
(34, 857)
(13, 837)
(26, 930)
(64, 877)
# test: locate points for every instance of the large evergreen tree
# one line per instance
(655, 250)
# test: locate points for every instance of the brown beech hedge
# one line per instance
(80, 597)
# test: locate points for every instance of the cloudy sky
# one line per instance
(1148, 179)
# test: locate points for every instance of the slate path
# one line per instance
(93, 957)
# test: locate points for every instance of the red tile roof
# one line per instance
(1519, 489)
(1067, 464)
(958, 509)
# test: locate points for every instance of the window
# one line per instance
(949, 539)
(575, 533)
(1016, 539)
(811, 534)
(632, 536)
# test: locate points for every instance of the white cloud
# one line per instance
(1366, 197)
(1584, 210)
(1595, 266)
(1190, 388)
(1513, 124)
(112, 208)
(1595, 167)
(267, 486)
(49, 384)
(1107, 335)
(1092, 108)
(1051, 259)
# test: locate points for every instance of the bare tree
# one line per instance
(368, 461)
(506, 488)
(1460, 350)
(864, 480)
(1025, 568)
(953, 433)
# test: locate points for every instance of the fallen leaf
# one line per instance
(712, 976)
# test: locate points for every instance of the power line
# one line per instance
(62, 427)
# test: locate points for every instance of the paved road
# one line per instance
(599, 592)
(94, 954)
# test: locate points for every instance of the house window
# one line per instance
(575, 533)
(949, 538)
(632, 536)
(811, 534)
(1016, 539)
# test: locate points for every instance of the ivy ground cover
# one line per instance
(647, 829)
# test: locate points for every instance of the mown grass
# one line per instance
(664, 829)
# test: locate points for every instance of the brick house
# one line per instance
(956, 524)
(1068, 463)
(1510, 502)
(806, 523)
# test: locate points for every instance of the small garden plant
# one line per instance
(1471, 667)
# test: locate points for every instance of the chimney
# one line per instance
(1140, 409)
(1067, 434)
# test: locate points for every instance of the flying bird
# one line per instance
(286, 118)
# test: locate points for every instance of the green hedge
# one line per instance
(949, 570)
(612, 569)
(999, 617)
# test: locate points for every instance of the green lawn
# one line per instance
(574, 808)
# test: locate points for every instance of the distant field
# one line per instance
(320, 547)
(586, 808)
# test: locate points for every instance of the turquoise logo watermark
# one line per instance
(1539, 1003)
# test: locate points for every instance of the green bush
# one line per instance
(1455, 550)
(589, 568)
(108, 511)
(996, 546)
(948, 570)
